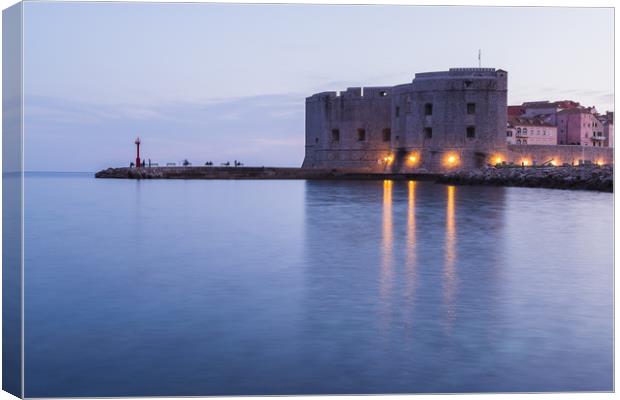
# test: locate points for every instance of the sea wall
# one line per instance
(560, 154)
(418, 159)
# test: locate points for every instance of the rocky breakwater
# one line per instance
(598, 178)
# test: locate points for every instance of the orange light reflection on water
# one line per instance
(410, 257)
(386, 274)
(449, 273)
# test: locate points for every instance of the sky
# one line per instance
(219, 82)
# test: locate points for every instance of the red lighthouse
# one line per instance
(137, 142)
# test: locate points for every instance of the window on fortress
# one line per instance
(387, 135)
(428, 133)
(361, 135)
(471, 132)
(397, 112)
(471, 108)
(316, 140)
(428, 109)
(467, 84)
(335, 135)
(382, 94)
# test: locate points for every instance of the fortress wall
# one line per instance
(402, 110)
(449, 93)
(348, 113)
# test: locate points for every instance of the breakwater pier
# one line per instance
(591, 177)
(254, 173)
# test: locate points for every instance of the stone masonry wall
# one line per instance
(561, 154)
(336, 122)
(465, 128)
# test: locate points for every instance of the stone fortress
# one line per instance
(446, 120)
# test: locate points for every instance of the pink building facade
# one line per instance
(576, 124)
(580, 126)
(531, 131)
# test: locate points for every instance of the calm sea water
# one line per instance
(287, 287)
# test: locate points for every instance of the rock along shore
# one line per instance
(578, 178)
(598, 178)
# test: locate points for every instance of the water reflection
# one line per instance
(449, 271)
(388, 238)
(387, 253)
(414, 286)
(410, 257)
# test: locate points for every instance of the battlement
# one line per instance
(371, 92)
(470, 69)
(459, 72)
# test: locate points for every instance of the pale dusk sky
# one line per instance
(225, 81)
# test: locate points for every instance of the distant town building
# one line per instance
(608, 128)
(523, 130)
(580, 126)
(576, 124)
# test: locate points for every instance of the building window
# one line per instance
(397, 111)
(471, 132)
(428, 133)
(387, 135)
(518, 130)
(335, 135)
(471, 108)
(382, 94)
(467, 83)
(361, 135)
(524, 131)
(316, 140)
(509, 133)
(428, 109)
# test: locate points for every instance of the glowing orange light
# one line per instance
(413, 158)
(451, 159)
(599, 163)
(498, 160)
(554, 163)
(525, 162)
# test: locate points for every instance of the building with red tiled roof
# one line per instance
(576, 124)
(515, 111)
(523, 130)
